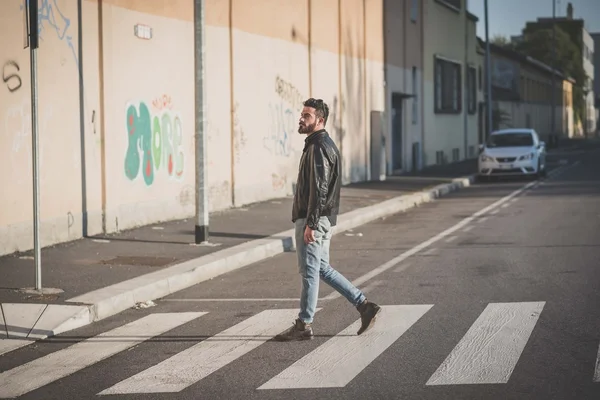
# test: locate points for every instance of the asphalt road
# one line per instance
(489, 293)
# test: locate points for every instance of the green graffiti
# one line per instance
(160, 142)
(138, 127)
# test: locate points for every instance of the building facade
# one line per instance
(588, 66)
(522, 94)
(596, 38)
(117, 118)
(451, 92)
(404, 86)
(584, 42)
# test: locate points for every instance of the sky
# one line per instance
(508, 17)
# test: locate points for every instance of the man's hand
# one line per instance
(309, 235)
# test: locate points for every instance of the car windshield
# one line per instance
(510, 140)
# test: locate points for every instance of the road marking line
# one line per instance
(505, 205)
(197, 362)
(498, 210)
(482, 220)
(491, 348)
(597, 369)
(451, 239)
(343, 357)
(468, 228)
(396, 260)
(62, 363)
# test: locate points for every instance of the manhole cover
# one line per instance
(140, 260)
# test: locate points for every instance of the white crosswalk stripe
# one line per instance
(597, 369)
(57, 365)
(487, 353)
(341, 358)
(199, 361)
(491, 348)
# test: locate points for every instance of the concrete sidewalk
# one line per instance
(101, 276)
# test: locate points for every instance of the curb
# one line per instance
(103, 303)
(119, 297)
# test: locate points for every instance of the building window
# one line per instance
(448, 95)
(472, 89)
(414, 10)
(415, 103)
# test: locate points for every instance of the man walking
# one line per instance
(314, 213)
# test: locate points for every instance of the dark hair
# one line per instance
(321, 108)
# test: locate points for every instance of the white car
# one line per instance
(512, 152)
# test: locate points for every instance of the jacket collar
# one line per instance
(313, 136)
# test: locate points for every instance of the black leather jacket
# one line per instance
(319, 181)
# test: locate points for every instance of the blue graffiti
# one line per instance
(48, 12)
(277, 141)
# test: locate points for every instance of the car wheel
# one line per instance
(539, 173)
(544, 171)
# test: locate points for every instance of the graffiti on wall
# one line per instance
(51, 18)
(154, 142)
(288, 93)
(283, 119)
(278, 139)
(10, 76)
(17, 125)
(279, 181)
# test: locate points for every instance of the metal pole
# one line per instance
(33, 45)
(201, 230)
(488, 74)
(553, 110)
(466, 82)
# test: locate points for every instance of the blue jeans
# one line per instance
(313, 262)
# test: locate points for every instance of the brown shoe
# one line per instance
(368, 314)
(299, 331)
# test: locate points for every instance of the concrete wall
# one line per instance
(588, 66)
(59, 127)
(596, 37)
(445, 132)
(121, 150)
(532, 115)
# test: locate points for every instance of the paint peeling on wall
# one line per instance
(154, 143)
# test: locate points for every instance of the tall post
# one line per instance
(553, 109)
(466, 84)
(488, 72)
(33, 46)
(201, 229)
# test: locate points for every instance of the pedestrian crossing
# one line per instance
(487, 353)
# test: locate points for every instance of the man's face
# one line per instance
(308, 121)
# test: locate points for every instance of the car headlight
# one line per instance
(485, 158)
(527, 157)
